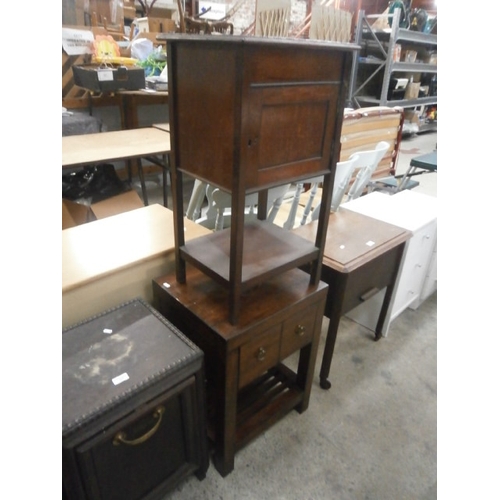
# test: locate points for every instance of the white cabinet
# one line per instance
(418, 276)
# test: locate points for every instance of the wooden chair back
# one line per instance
(330, 23)
(116, 31)
(272, 18)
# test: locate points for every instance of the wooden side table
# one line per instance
(362, 256)
(248, 388)
(417, 213)
(133, 406)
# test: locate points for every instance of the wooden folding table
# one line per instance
(149, 143)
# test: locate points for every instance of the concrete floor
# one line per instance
(373, 435)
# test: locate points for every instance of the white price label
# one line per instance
(105, 75)
(121, 378)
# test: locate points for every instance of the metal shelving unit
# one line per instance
(382, 43)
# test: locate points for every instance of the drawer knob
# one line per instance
(261, 354)
(300, 330)
(120, 437)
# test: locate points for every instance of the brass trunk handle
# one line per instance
(121, 436)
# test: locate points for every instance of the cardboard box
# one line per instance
(75, 214)
(98, 79)
(119, 204)
(412, 90)
(110, 10)
(412, 116)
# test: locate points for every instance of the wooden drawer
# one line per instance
(276, 344)
(364, 282)
(298, 331)
(259, 355)
(360, 284)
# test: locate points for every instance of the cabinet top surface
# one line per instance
(256, 40)
(354, 239)
(113, 355)
(203, 297)
(406, 209)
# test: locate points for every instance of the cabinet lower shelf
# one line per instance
(261, 404)
(404, 103)
(269, 250)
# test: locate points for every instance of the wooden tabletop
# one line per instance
(117, 145)
(96, 249)
(354, 239)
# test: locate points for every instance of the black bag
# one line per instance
(93, 184)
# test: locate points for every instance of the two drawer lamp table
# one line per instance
(248, 386)
(362, 256)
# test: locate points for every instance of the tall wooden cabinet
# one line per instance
(247, 114)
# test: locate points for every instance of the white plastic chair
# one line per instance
(365, 165)
(343, 174)
(219, 209)
(193, 210)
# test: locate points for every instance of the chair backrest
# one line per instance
(196, 26)
(364, 128)
(329, 23)
(365, 164)
(272, 17)
(220, 205)
(221, 27)
(343, 174)
(193, 25)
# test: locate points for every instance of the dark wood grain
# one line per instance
(248, 387)
(248, 114)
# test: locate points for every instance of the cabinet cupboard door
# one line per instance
(286, 132)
